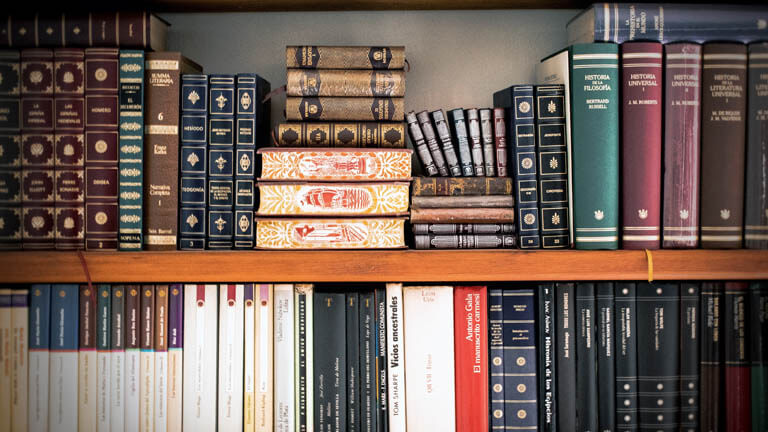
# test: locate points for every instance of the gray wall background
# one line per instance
(458, 58)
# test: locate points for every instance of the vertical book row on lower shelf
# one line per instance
(262, 357)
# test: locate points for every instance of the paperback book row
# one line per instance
(670, 356)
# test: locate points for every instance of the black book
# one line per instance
(586, 359)
(330, 361)
(353, 361)
(565, 358)
(439, 148)
(710, 367)
(606, 366)
(625, 338)
(758, 322)
(368, 356)
(690, 314)
(382, 424)
(460, 138)
(422, 150)
(756, 194)
(547, 354)
(658, 351)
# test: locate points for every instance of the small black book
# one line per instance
(586, 359)
(606, 367)
(330, 361)
(565, 358)
(353, 361)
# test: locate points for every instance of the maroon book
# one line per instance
(37, 149)
(101, 148)
(737, 362)
(69, 138)
(641, 66)
(723, 132)
(682, 111)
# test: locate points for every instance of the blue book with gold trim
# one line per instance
(519, 328)
(221, 139)
(245, 151)
(193, 190)
(131, 144)
(496, 356)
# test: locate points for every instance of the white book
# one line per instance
(132, 357)
(396, 359)
(304, 383)
(147, 360)
(264, 355)
(63, 379)
(200, 342)
(249, 366)
(160, 416)
(175, 357)
(430, 390)
(117, 362)
(284, 367)
(87, 402)
(20, 352)
(5, 359)
(103, 357)
(39, 356)
(231, 357)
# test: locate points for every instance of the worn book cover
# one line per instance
(345, 57)
(428, 162)
(333, 199)
(437, 147)
(10, 144)
(490, 201)
(372, 233)
(463, 215)
(345, 108)
(334, 164)
(345, 83)
(340, 134)
(465, 241)
(460, 186)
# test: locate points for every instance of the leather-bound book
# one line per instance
(461, 139)
(465, 241)
(428, 228)
(690, 348)
(495, 201)
(37, 149)
(221, 166)
(737, 367)
(445, 186)
(463, 215)
(441, 148)
(496, 357)
(723, 131)
(345, 57)
(756, 197)
(475, 140)
(345, 83)
(500, 141)
(641, 79)
(193, 192)
(519, 325)
(355, 134)
(417, 140)
(161, 139)
(10, 156)
(344, 108)
(682, 120)
(489, 150)
(335, 164)
(101, 148)
(710, 373)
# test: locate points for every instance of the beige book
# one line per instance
(87, 363)
(5, 359)
(249, 367)
(263, 354)
(20, 352)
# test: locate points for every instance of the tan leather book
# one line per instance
(463, 215)
(345, 83)
(345, 108)
(345, 57)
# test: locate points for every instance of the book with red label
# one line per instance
(37, 168)
(641, 144)
(682, 120)
(471, 344)
(737, 363)
(69, 146)
(101, 148)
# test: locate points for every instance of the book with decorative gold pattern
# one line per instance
(333, 199)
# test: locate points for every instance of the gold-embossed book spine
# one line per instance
(333, 199)
(345, 57)
(333, 164)
(345, 83)
(313, 233)
(356, 134)
(344, 108)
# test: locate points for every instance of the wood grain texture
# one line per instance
(381, 266)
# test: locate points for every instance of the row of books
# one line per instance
(670, 356)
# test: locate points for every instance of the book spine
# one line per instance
(230, 407)
(758, 332)
(470, 320)
(546, 357)
(69, 147)
(690, 325)
(626, 356)
(461, 141)
(553, 166)
(304, 319)
(245, 158)
(465, 241)
(595, 133)
(101, 148)
(19, 359)
(439, 150)
(131, 156)
(5, 358)
(565, 358)
(431, 385)
(132, 356)
(264, 353)
(10, 157)
(658, 349)
(463, 229)
(396, 389)
(443, 131)
(586, 359)
(314, 233)
(62, 398)
(463, 215)
(519, 327)
(494, 201)
(382, 375)
(284, 354)
(201, 308)
(496, 396)
(103, 357)
(724, 104)
(161, 359)
(756, 195)
(117, 362)
(333, 199)
(332, 164)
(221, 139)
(193, 191)
(476, 147)
(249, 358)
(37, 149)
(175, 357)
(367, 361)
(500, 141)
(641, 80)
(39, 356)
(525, 170)
(605, 329)
(344, 108)
(162, 73)
(417, 140)
(353, 364)
(737, 366)
(147, 359)
(86, 374)
(446, 186)
(345, 57)
(357, 134)
(345, 83)
(489, 150)
(682, 120)
(330, 380)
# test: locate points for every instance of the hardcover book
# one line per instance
(367, 361)
(345, 83)
(496, 355)
(131, 155)
(465, 241)
(476, 139)
(737, 367)
(682, 119)
(439, 149)
(132, 356)
(690, 347)
(595, 144)
(63, 384)
(303, 364)
(345, 57)
(20, 359)
(147, 359)
(69, 147)
(489, 151)
(500, 141)
(467, 137)
(175, 357)
(756, 195)
(345, 109)
(248, 131)
(430, 386)
(10, 143)
(382, 349)
(443, 186)
(625, 297)
(460, 138)
(284, 357)
(221, 142)
(330, 362)
(103, 357)
(39, 356)
(547, 384)
(161, 358)
(249, 359)
(490, 201)
(353, 360)
(519, 327)
(710, 372)
(87, 404)
(334, 164)
(201, 308)
(359, 134)
(117, 408)
(723, 133)
(333, 199)
(230, 362)
(758, 345)
(193, 192)
(5, 359)
(397, 390)
(264, 353)
(470, 319)
(586, 396)
(360, 233)
(428, 163)
(101, 148)
(463, 215)
(606, 366)
(463, 228)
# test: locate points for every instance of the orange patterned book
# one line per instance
(333, 199)
(335, 164)
(310, 233)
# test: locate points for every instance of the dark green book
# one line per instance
(330, 361)
(594, 70)
(758, 300)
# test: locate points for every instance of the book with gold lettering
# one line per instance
(307, 233)
(131, 154)
(333, 199)
(193, 192)
(334, 164)
(345, 108)
(10, 150)
(345, 83)
(221, 147)
(341, 134)
(345, 57)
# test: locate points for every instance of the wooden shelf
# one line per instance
(381, 266)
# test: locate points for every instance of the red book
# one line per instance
(682, 111)
(471, 345)
(641, 144)
(737, 362)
